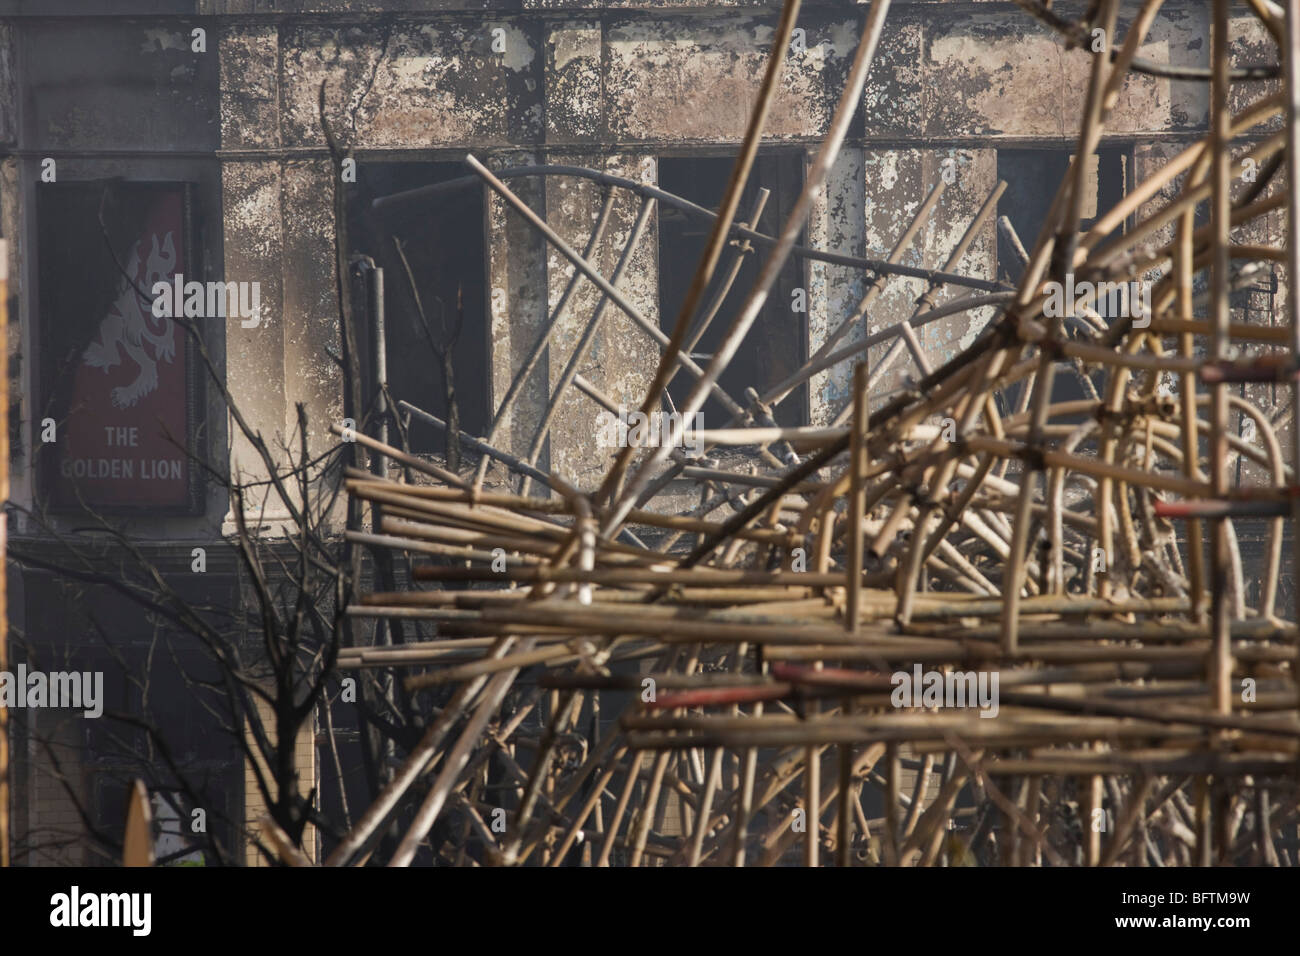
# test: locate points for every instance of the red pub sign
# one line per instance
(120, 383)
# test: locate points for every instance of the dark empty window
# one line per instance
(776, 346)
(441, 238)
(1032, 177)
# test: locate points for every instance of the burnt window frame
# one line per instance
(784, 167)
(1124, 151)
(417, 172)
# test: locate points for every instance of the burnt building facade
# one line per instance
(167, 137)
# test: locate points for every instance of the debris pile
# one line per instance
(971, 623)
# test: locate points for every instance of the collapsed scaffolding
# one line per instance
(972, 522)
